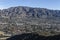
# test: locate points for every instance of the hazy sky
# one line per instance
(50, 4)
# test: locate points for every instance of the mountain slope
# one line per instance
(17, 20)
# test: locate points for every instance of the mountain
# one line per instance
(17, 20)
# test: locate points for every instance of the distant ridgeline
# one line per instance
(18, 20)
(33, 36)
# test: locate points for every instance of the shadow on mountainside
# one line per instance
(33, 36)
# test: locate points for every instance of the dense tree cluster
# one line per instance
(33, 36)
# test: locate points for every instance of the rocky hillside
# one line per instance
(17, 20)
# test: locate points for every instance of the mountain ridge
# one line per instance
(25, 9)
(30, 7)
